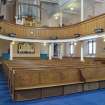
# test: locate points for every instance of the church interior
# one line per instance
(52, 52)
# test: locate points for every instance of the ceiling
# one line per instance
(68, 7)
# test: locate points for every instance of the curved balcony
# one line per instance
(83, 28)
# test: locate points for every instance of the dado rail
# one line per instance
(83, 28)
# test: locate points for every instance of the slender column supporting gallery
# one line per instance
(11, 50)
(50, 51)
(61, 51)
(82, 53)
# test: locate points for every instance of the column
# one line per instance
(11, 50)
(82, 52)
(50, 51)
(82, 10)
(61, 51)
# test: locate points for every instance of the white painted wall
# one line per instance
(47, 12)
(99, 8)
(69, 19)
(3, 11)
(88, 9)
(100, 49)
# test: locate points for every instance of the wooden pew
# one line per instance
(52, 82)
(67, 76)
(94, 78)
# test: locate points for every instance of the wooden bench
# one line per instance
(94, 78)
(38, 79)
(16, 67)
(52, 82)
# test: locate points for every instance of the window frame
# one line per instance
(71, 49)
(93, 52)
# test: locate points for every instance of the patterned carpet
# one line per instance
(89, 98)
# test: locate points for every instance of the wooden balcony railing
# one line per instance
(84, 28)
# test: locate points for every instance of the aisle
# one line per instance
(90, 98)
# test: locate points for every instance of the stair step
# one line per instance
(3, 85)
(4, 92)
(5, 99)
(1, 75)
(2, 78)
(3, 81)
(4, 96)
(3, 89)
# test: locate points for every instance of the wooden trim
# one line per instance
(46, 86)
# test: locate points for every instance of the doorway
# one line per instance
(56, 50)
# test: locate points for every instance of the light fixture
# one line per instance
(56, 17)
(75, 43)
(31, 32)
(71, 8)
(57, 14)
(104, 38)
(13, 43)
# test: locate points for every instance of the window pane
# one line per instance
(71, 48)
(90, 47)
(94, 47)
